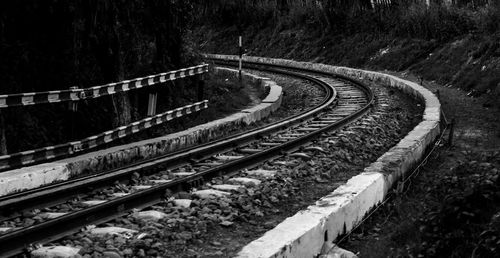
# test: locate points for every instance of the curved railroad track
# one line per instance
(73, 203)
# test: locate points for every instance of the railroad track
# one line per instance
(65, 208)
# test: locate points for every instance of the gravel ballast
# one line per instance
(219, 227)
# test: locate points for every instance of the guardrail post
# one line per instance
(73, 108)
(201, 86)
(152, 103)
(73, 105)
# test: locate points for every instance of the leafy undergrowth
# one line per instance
(226, 96)
(450, 213)
(467, 223)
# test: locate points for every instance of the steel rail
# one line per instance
(16, 241)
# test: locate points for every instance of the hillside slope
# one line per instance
(470, 62)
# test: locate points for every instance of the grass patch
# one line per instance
(225, 95)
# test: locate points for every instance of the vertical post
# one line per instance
(73, 105)
(152, 104)
(240, 45)
(73, 108)
(201, 86)
(450, 136)
(3, 140)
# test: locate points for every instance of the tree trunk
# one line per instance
(3, 141)
(121, 101)
(122, 109)
(109, 51)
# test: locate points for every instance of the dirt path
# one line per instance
(448, 209)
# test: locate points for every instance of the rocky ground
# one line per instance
(452, 208)
(220, 227)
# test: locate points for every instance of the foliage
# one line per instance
(85, 42)
(467, 222)
(52, 44)
(436, 23)
(405, 18)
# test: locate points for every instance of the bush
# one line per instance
(433, 23)
(400, 18)
(488, 19)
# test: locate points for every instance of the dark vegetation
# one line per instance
(51, 45)
(468, 222)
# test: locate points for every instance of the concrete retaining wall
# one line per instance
(303, 234)
(43, 174)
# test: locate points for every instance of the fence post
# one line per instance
(240, 45)
(152, 103)
(3, 140)
(442, 120)
(73, 105)
(201, 86)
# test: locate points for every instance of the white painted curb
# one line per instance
(47, 173)
(303, 234)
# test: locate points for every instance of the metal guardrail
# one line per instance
(74, 94)
(34, 98)
(51, 152)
